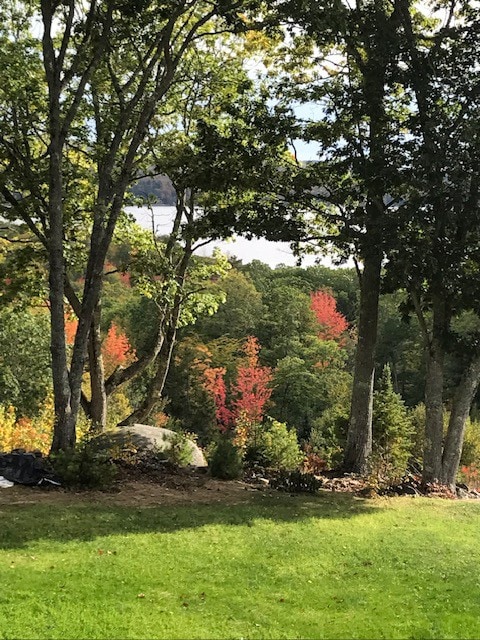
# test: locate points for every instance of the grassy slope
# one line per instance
(281, 567)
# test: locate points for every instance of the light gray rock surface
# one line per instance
(144, 436)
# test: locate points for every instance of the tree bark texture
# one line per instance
(98, 399)
(359, 439)
(64, 426)
(155, 391)
(432, 456)
(461, 406)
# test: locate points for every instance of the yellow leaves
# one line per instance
(257, 41)
(27, 433)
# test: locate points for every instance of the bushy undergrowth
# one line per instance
(274, 446)
(226, 460)
(179, 451)
(328, 435)
(35, 433)
(471, 444)
(85, 466)
(296, 482)
(32, 434)
(392, 432)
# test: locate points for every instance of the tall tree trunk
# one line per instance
(359, 439)
(432, 455)
(379, 51)
(98, 399)
(462, 404)
(64, 426)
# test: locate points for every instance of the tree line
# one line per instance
(95, 95)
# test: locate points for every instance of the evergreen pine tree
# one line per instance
(392, 429)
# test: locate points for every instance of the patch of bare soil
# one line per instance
(139, 493)
(146, 485)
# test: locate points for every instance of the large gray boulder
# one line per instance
(143, 436)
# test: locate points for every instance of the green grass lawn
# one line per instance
(279, 567)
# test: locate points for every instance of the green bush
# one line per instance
(274, 446)
(180, 450)
(471, 444)
(417, 418)
(85, 467)
(296, 482)
(226, 460)
(392, 431)
(328, 435)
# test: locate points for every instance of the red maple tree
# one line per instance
(331, 322)
(215, 385)
(251, 391)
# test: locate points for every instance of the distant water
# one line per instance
(272, 253)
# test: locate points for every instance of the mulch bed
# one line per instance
(167, 480)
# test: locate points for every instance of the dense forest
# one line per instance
(370, 370)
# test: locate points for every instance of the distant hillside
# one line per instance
(159, 187)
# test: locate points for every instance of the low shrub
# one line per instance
(85, 467)
(31, 434)
(274, 446)
(471, 445)
(417, 418)
(226, 460)
(312, 461)
(180, 450)
(469, 475)
(296, 482)
(328, 436)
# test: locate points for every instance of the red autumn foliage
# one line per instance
(116, 349)
(251, 391)
(215, 384)
(332, 322)
(125, 279)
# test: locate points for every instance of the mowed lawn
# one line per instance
(331, 566)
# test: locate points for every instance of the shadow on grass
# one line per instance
(83, 522)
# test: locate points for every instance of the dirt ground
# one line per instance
(138, 493)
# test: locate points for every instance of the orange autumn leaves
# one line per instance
(116, 349)
(331, 322)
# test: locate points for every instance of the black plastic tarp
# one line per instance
(26, 468)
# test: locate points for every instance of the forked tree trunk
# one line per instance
(155, 391)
